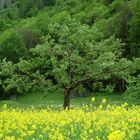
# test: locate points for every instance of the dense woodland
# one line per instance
(70, 46)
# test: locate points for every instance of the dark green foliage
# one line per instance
(133, 90)
(6, 71)
(23, 8)
(135, 30)
(30, 37)
(107, 2)
(118, 24)
(2, 25)
(12, 46)
(29, 8)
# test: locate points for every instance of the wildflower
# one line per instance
(103, 101)
(1, 136)
(40, 136)
(116, 135)
(62, 124)
(4, 106)
(90, 131)
(100, 106)
(93, 99)
(125, 104)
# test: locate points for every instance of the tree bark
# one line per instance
(68, 90)
(66, 104)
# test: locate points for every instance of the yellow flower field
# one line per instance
(88, 123)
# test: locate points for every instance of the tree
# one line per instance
(5, 3)
(75, 56)
(134, 32)
(12, 46)
(30, 36)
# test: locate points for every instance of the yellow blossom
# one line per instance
(93, 99)
(103, 101)
(79, 123)
(116, 135)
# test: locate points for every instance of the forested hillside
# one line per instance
(70, 46)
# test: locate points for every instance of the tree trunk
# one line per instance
(66, 104)
(120, 85)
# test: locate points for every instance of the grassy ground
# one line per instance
(56, 100)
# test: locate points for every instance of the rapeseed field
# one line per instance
(106, 122)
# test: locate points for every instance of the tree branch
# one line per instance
(75, 84)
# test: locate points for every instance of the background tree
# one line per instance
(134, 32)
(12, 46)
